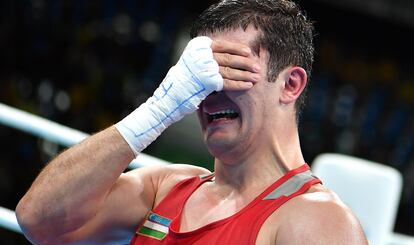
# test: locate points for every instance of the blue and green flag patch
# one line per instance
(155, 226)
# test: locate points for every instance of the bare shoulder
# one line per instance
(318, 217)
(163, 178)
(172, 172)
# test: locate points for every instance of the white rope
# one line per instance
(8, 220)
(38, 126)
(56, 133)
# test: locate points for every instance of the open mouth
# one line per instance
(219, 108)
(223, 115)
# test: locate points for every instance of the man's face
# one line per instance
(238, 123)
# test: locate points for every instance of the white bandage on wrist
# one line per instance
(187, 83)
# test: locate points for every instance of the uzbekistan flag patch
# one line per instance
(155, 226)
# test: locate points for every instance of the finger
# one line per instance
(236, 62)
(232, 85)
(221, 46)
(238, 75)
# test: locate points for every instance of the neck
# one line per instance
(263, 164)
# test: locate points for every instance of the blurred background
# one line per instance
(86, 64)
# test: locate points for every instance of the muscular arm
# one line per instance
(82, 195)
(69, 192)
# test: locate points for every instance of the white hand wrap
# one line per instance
(187, 83)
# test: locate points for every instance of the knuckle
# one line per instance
(227, 59)
(227, 70)
(220, 59)
(216, 57)
(217, 45)
(222, 71)
(226, 84)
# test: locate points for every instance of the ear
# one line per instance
(295, 80)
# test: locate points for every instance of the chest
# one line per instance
(203, 210)
(196, 217)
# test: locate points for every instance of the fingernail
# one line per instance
(256, 68)
(249, 85)
(247, 51)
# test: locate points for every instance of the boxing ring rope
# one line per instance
(8, 220)
(56, 133)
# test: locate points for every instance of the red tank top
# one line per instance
(162, 225)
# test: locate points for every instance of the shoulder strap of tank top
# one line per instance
(180, 192)
(292, 185)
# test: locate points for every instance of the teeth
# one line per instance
(228, 114)
(222, 112)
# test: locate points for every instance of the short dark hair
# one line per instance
(285, 31)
